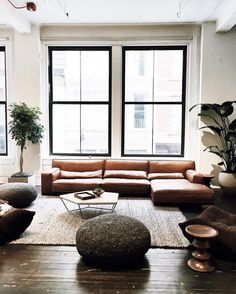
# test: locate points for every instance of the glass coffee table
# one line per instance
(106, 199)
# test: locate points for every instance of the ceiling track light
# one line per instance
(30, 6)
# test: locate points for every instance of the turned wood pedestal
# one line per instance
(201, 260)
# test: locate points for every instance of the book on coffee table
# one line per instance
(84, 195)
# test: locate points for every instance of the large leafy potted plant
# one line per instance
(223, 127)
(24, 126)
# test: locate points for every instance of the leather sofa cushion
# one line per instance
(127, 186)
(80, 175)
(78, 165)
(125, 174)
(180, 191)
(170, 166)
(75, 185)
(126, 165)
(195, 177)
(154, 176)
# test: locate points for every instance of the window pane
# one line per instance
(167, 129)
(66, 128)
(80, 82)
(66, 75)
(138, 136)
(2, 130)
(95, 75)
(2, 77)
(139, 75)
(94, 129)
(168, 71)
(154, 100)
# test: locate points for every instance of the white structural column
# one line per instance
(27, 84)
(218, 85)
(116, 100)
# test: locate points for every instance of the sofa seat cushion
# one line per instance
(126, 186)
(180, 191)
(153, 176)
(125, 174)
(73, 185)
(80, 175)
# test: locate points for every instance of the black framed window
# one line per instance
(153, 102)
(80, 100)
(3, 103)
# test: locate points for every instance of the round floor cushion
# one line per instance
(112, 239)
(18, 195)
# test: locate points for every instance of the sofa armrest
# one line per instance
(194, 176)
(47, 178)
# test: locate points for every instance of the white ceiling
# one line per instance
(119, 12)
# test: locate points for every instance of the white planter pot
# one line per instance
(228, 181)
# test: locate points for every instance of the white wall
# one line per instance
(218, 80)
(116, 36)
(23, 78)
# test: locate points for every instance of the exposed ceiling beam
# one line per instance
(11, 17)
(227, 17)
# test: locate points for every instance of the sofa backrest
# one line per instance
(78, 165)
(171, 166)
(141, 165)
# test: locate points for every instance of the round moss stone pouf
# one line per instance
(18, 195)
(113, 239)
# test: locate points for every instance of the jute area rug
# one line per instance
(53, 225)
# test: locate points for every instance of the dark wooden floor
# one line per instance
(57, 269)
(41, 269)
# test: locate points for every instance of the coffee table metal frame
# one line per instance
(107, 198)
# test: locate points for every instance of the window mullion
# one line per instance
(153, 80)
(80, 143)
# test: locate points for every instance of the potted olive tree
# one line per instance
(24, 126)
(220, 122)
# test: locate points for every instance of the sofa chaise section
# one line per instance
(177, 182)
(71, 176)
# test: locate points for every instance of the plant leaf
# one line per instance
(204, 106)
(231, 136)
(213, 128)
(228, 103)
(232, 125)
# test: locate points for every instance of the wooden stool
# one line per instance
(201, 260)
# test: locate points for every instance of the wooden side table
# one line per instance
(201, 260)
(208, 179)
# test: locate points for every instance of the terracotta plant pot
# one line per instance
(227, 181)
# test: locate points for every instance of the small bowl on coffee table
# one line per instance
(98, 192)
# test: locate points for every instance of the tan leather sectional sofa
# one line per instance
(166, 182)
